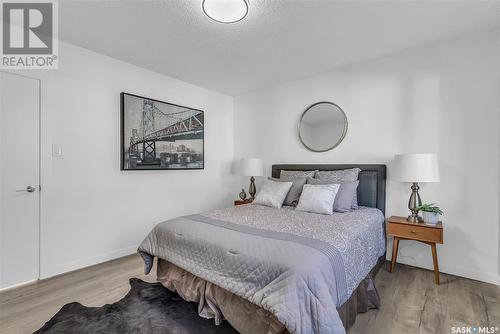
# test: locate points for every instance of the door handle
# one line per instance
(29, 189)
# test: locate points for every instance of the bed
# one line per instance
(268, 270)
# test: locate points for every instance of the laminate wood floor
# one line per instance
(411, 303)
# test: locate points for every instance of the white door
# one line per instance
(19, 179)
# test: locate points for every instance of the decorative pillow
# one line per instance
(345, 195)
(272, 193)
(318, 198)
(293, 174)
(292, 198)
(338, 176)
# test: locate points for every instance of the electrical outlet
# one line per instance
(57, 151)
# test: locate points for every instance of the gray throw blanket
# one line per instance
(300, 280)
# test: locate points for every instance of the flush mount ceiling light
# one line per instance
(225, 11)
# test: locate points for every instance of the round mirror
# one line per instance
(322, 126)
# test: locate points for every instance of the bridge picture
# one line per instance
(160, 135)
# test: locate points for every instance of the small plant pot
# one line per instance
(430, 217)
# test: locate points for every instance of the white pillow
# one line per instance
(272, 193)
(318, 198)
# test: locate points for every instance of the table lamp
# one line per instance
(251, 167)
(415, 168)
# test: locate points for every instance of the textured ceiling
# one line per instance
(279, 40)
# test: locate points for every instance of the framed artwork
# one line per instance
(157, 135)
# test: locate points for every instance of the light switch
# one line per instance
(57, 151)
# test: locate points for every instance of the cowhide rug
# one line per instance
(147, 308)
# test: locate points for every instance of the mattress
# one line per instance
(298, 266)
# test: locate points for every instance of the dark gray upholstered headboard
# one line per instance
(371, 189)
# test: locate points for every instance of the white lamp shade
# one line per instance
(251, 167)
(422, 167)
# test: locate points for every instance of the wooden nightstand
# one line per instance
(402, 229)
(241, 202)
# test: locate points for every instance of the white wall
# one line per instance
(92, 211)
(440, 98)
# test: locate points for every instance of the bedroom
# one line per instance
(401, 77)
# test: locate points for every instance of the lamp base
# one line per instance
(252, 190)
(414, 203)
(417, 219)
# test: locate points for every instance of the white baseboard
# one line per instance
(87, 262)
(492, 278)
(17, 285)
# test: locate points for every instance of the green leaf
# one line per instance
(430, 208)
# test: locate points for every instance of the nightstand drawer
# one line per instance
(415, 232)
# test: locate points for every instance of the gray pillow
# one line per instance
(292, 198)
(338, 176)
(292, 174)
(344, 198)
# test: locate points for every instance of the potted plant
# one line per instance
(430, 213)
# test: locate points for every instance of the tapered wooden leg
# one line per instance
(395, 246)
(435, 260)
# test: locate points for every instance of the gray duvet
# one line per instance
(299, 266)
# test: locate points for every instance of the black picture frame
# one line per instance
(142, 154)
